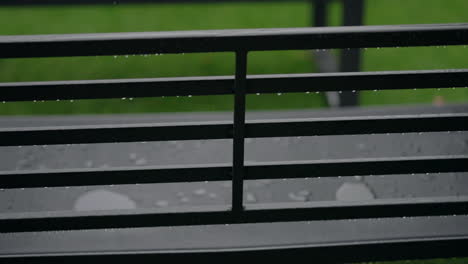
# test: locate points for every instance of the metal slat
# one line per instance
(222, 172)
(222, 85)
(340, 252)
(353, 167)
(223, 130)
(115, 88)
(114, 133)
(213, 215)
(100, 2)
(232, 40)
(115, 176)
(357, 125)
(357, 81)
(350, 59)
(238, 169)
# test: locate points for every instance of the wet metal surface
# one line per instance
(261, 191)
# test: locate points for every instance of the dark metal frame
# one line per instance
(240, 42)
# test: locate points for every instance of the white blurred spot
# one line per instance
(354, 191)
(103, 200)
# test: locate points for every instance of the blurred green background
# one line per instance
(157, 17)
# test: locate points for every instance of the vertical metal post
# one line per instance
(320, 13)
(239, 131)
(353, 12)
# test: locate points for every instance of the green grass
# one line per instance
(122, 18)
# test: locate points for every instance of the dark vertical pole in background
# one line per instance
(350, 61)
(320, 13)
(239, 131)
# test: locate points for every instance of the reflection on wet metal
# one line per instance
(103, 200)
(354, 191)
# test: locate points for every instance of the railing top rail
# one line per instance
(232, 40)
(99, 2)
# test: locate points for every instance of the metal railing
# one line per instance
(352, 13)
(240, 42)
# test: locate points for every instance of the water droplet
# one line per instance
(358, 177)
(278, 94)
(212, 195)
(250, 198)
(297, 198)
(162, 203)
(140, 161)
(200, 191)
(89, 163)
(427, 177)
(354, 191)
(103, 200)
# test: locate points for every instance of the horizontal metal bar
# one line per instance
(212, 215)
(353, 167)
(357, 81)
(115, 176)
(114, 133)
(222, 172)
(114, 2)
(219, 85)
(232, 40)
(357, 125)
(340, 252)
(116, 88)
(223, 130)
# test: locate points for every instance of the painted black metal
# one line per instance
(222, 172)
(353, 167)
(222, 85)
(232, 40)
(115, 2)
(357, 81)
(223, 130)
(320, 13)
(215, 215)
(116, 88)
(357, 125)
(239, 131)
(115, 133)
(350, 60)
(418, 248)
(115, 176)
